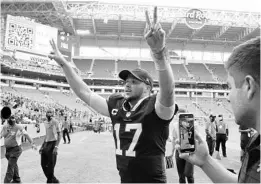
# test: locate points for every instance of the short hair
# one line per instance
(245, 59)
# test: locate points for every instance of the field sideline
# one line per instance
(90, 159)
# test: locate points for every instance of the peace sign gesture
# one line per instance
(56, 54)
(154, 35)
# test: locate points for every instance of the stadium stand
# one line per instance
(84, 65)
(150, 67)
(180, 72)
(219, 71)
(127, 65)
(103, 69)
(199, 71)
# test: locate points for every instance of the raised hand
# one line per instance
(154, 35)
(201, 154)
(56, 54)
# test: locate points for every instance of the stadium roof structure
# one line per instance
(127, 22)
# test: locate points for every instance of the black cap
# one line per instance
(5, 112)
(141, 75)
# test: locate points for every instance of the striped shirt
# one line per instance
(12, 135)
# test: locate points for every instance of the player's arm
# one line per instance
(80, 88)
(165, 105)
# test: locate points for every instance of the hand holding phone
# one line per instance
(186, 133)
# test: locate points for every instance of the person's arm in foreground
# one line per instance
(155, 38)
(81, 89)
(213, 169)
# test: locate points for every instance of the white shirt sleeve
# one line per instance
(165, 113)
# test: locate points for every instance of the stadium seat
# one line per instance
(200, 72)
(103, 69)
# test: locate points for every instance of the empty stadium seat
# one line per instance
(150, 67)
(127, 65)
(200, 72)
(179, 72)
(84, 65)
(219, 71)
(103, 69)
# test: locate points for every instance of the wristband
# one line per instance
(56, 146)
(161, 59)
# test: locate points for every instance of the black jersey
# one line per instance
(138, 132)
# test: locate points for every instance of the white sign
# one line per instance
(25, 35)
(195, 19)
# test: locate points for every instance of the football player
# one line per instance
(140, 119)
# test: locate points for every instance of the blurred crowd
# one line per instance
(29, 111)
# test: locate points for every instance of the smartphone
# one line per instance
(186, 133)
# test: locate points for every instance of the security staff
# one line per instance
(222, 135)
(49, 148)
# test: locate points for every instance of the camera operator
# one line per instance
(12, 133)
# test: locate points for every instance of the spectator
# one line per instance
(211, 133)
(49, 147)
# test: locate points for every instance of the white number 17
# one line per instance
(134, 126)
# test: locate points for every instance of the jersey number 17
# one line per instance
(134, 126)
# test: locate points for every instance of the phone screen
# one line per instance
(186, 132)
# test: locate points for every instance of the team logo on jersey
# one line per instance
(128, 114)
(114, 112)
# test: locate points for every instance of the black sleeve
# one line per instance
(113, 101)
